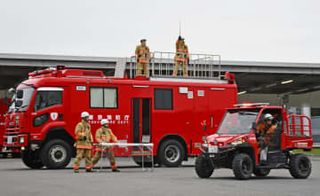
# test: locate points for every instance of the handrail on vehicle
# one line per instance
(199, 66)
(299, 126)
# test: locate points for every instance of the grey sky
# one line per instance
(270, 30)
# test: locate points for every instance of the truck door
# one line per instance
(141, 112)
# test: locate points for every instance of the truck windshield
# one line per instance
(22, 98)
(238, 121)
(45, 99)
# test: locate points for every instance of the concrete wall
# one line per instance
(301, 100)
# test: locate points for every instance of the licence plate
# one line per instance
(213, 149)
(9, 139)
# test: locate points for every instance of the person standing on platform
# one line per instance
(143, 58)
(181, 57)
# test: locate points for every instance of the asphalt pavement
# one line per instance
(16, 179)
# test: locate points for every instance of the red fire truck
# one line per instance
(173, 113)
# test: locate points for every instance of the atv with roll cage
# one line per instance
(237, 147)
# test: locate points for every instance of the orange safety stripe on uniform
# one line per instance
(75, 167)
(181, 59)
(84, 146)
(142, 61)
(98, 149)
(89, 167)
(182, 50)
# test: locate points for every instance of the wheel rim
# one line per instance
(172, 153)
(304, 166)
(58, 153)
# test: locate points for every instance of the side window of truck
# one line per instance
(103, 97)
(46, 99)
(163, 99)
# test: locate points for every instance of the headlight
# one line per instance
(237, 142)
(17, 120)
(21, 140)
(205, 145)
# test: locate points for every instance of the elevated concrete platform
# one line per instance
(251, 76)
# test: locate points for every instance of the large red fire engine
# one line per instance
(173, 113)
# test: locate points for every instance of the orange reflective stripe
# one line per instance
(84, 146)
(181, 59)
(181, 50)
(98, 149)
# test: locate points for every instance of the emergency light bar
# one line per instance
(250, 104)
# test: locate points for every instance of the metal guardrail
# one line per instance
(199, 66)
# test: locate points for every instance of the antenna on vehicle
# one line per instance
(180, 28)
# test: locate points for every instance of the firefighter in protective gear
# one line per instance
(264, 132)
(104, 134)
(143, 58)
(84, 141)
(181, 58)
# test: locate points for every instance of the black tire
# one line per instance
(31, 159)
(147, 161)
(300, 166)
(242, 166)
(171, 153)
(204, 167)
(261, 172)
(56, 154)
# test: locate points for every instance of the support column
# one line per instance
(306, 110)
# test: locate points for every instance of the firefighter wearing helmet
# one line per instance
(181, 58)
(143, 58)
(264, 133)
(84, 141)
(104, 134)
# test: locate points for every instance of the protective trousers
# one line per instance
(83, 154)
(109, 155)
(142, 69)
(184, 68)
(264, 154)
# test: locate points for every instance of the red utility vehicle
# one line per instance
(172, 113)
(236, 146)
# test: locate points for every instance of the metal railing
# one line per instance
(162, 64)
(299, 125)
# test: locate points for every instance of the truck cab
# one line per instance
(237, 144)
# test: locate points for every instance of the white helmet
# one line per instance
(84, 114)
(268, 117)
(104, 121)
